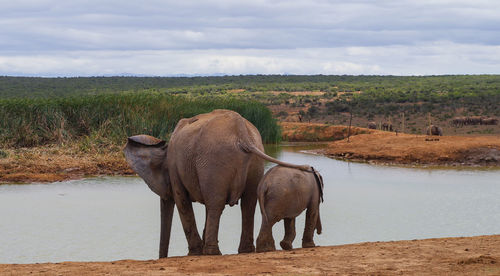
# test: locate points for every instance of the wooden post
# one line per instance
(403, 123)
(429, 115)
(349, 131)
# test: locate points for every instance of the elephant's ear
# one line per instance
(146, 140)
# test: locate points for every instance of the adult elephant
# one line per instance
(459, 121)
(489, 121)
(387, 126)
(474, 120)
(434, 130)
(215, 159)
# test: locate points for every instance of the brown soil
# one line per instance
(311, 132)
(57, 163)
(398, 148)
(299, 93)
(448, 256)
(294, 93)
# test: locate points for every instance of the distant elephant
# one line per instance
(284, 193)
(474, 120)
(489, 121)
(434, 130)
(387, 127)
(459, 121)
(372, 125)
(214, 159)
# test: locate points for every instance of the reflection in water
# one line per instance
(102, 219)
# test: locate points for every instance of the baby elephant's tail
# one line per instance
(318, 224)
(261, 195)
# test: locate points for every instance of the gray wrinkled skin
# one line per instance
(214, 159)
(284, 193)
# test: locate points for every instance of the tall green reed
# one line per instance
(98, 120)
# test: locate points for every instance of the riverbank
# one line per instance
(383, 147)
(58, 163)
(64, 162)
(446, 256)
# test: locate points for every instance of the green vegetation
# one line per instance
(101, 110)
(380, 94)
(477, 94)
(107, 119)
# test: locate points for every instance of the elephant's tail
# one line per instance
(253, 149)
(246, 142)
(319, 227)
(261, 196)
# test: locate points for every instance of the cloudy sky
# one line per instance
(207, 37)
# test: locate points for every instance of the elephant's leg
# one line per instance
(185, 209)
(211, 232)
(248, 203)
(287, 241)
(166, 213)
(205, 228)
(311, 217)
(265, 241)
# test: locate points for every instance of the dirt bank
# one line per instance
(311, 132)
(408, 149)
(57, 163)
(448, 256)
(398, 148)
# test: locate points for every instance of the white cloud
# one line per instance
(423, 59)
(50, 37)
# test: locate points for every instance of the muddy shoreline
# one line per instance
(399, 149)
(59, 163)
(415, 164)
(478, 255)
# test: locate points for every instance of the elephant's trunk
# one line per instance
(166, 213)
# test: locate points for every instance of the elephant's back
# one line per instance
(287, 191)
(280, 180)
(206, 150)
(216, 128)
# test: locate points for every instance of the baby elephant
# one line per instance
(284, 193)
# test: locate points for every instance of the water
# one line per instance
(112, 218)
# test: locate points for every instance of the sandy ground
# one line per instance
(448, 256)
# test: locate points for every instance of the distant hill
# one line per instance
(458, 85)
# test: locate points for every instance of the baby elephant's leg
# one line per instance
(311, 217)
(287, 241)
(265, 241)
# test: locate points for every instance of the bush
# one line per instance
(282, 114)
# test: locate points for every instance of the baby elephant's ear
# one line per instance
(146, 140)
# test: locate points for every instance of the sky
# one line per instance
(53, 38)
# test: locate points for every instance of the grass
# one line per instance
(97, 121)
